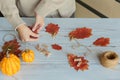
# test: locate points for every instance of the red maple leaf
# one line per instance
(56, 47)
(80, 33)
(102, 41)
(52, 29)
(13, 45)
(78, 62)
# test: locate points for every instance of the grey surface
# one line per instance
(56, 66)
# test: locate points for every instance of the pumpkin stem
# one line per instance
(27, 50)
(7, 53)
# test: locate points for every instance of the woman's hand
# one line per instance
(25, 34)
(38, 24)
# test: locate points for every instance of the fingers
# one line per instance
(37, 28)
(38, 24)
(31, 37)
(34, 27)
(26, 34)
(34, 34)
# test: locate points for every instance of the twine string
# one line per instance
(9, 34)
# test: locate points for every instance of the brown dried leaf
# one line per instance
(13, 45)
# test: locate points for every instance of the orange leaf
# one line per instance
(78, 62)
(52, 29)
(102, 41)
(56, 47)
(80, 33)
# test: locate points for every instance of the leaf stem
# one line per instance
(7, 53)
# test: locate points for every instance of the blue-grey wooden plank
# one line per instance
(56, 66)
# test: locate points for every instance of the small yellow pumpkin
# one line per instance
(10, 64)
(28, 55)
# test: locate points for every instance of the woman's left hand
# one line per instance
(38, 24)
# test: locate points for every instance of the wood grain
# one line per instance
(56, 66)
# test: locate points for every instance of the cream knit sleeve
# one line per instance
(47, 6)
(10, 11)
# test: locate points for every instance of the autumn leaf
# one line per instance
(102, 41)
(13, 45)
(80, 33)
(1, 55)
(56, 47)
(77, 62)
(52, 29)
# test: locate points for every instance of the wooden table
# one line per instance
(56, 67)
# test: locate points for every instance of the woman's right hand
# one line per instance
(25, 34)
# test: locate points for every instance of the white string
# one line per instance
(9, 34)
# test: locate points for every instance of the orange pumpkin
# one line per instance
(28, 55)
(10, 64)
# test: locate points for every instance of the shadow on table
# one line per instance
(1, 14)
